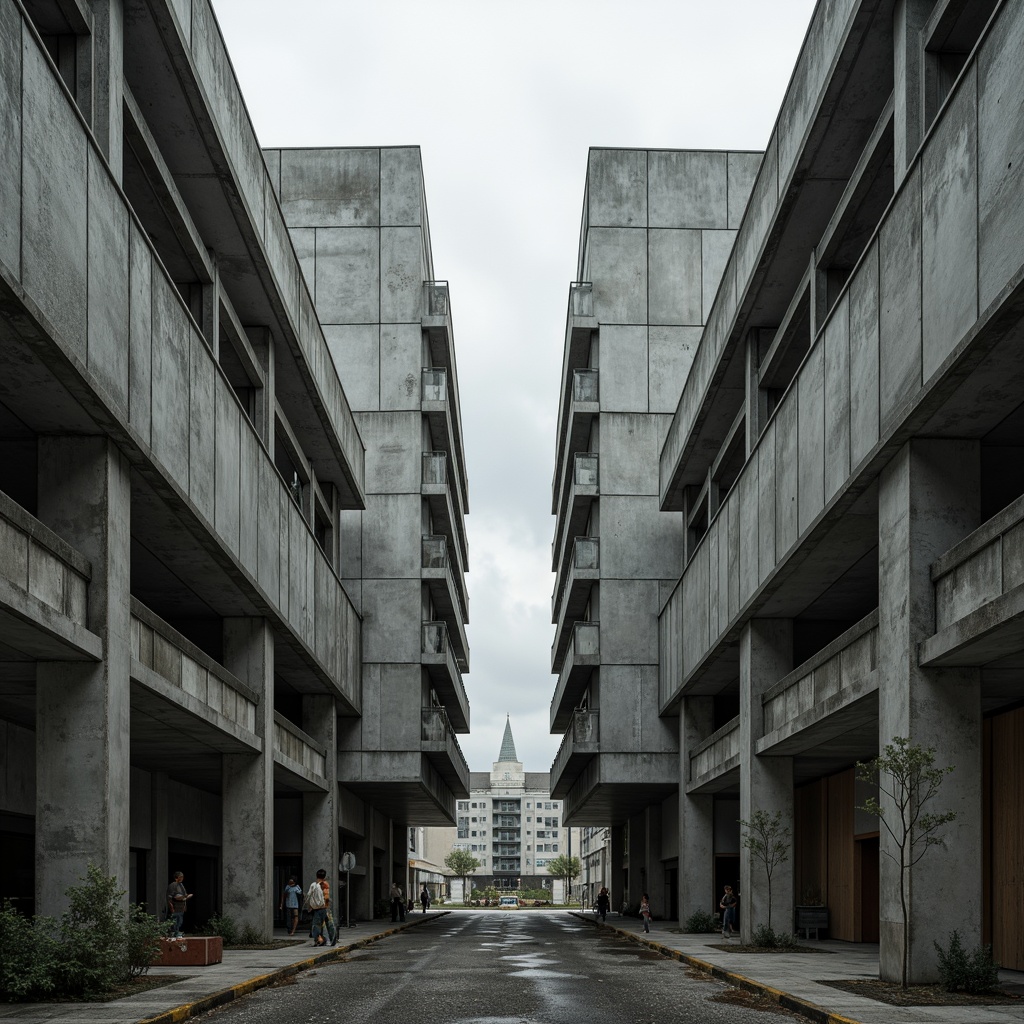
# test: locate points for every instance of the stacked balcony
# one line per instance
(580, 743)
(443, 510)
(569, 602)
(581, 658)
(438, 658)
(442, 749)
(446, 593)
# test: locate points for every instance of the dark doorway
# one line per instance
(201, 866)
(18, 862)
(285, 867)
(727, 872)
(671, 908)
(867, 852)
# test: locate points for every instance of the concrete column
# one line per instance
(928, 500)
(157, 877)
(696, 814)
(107, 40)
(247, 798)
(320, 810)
(766, 783)
(908, 18)
(83, 712)
(617, 853)
(655, 887)
(636, 859)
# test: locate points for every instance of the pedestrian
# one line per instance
(397, 903)
(645, 912)
(604, 902)
(425, 899)
(177, 900)
(317, 899)
(727, 905)
(290, 897)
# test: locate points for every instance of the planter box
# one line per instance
(198, 952)
(811, 919)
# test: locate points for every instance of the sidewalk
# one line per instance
(793, 979)
(203, 988)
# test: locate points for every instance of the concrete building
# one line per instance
(657, 229)
(511, 824)
(845, 457)
(183, 486)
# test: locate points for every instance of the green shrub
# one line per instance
(29, 956)
(142, 940)
(251, 936)
(701, 921)
(94, 934)
(222, 925)
(767, 938)
(963, 971)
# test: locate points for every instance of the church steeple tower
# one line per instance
(508, 746)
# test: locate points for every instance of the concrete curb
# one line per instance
(243, 988)
(786, 1000)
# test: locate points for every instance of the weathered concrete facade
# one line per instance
(657, 228)
(846, 456)
(179, 639)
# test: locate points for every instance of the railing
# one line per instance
(294, 744)
(436, 728)
(435, 552)
(586, 553)
(433, 384)
(581, 298)
(435, 467)
(435, 638)
(585, 386)
(585, 469)
(437, 297)
(720, 747)
(584, 728)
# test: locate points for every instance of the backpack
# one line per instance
(315, 897)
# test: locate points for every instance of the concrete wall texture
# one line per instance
(838, 475)
(190, 506)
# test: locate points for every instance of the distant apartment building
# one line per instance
(191, 675)
(658, 226)
(511, 825)
(846, 460)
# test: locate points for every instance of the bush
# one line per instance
(767, 938)
(94, 933)
(961, 971)
(222, 925)
(251, 936)
(701, 921)
(29, 956)
(142, 940)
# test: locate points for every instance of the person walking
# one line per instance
(397, 903)
(645, 911)
(317, 897)
(727, 905)
(425, 899)
(177, 900)
(290, 898)
(604, 902)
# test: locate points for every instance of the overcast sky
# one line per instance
(504, 100)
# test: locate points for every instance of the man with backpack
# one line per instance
(318, 900)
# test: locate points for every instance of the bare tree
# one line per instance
(906, 774)
(767, 837)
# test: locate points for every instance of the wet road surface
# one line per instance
(496, 967)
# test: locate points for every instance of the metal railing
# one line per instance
(581, 298)
(585, 385)
(435, 467)
(435, 552)
(433, 384)
(437, 297)
(585, 469)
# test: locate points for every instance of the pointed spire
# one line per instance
(508, 745)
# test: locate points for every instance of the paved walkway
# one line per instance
(792, 979)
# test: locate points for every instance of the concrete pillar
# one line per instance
(107, 38)
(616, 872)
(908, 18)
(655, 873)
(157, 876)
(766, 783)
(928, 500)
(636, 857)
(320, 810)
(696, 814)
(247, 798)
(83, 712)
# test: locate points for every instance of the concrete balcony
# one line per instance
(828, 706)
(439, 660)
(570, 602)
(979, 595)
(442, 749)
(299, 761)
(44, 585)
(613, 784)
(445, 593)
(584, 405)
(581, 658)
(715, 764)
(582, 488)
(580, 743)
(580, 325)
(441, 414)
(446, 516)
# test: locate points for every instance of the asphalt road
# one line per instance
(496, 967)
